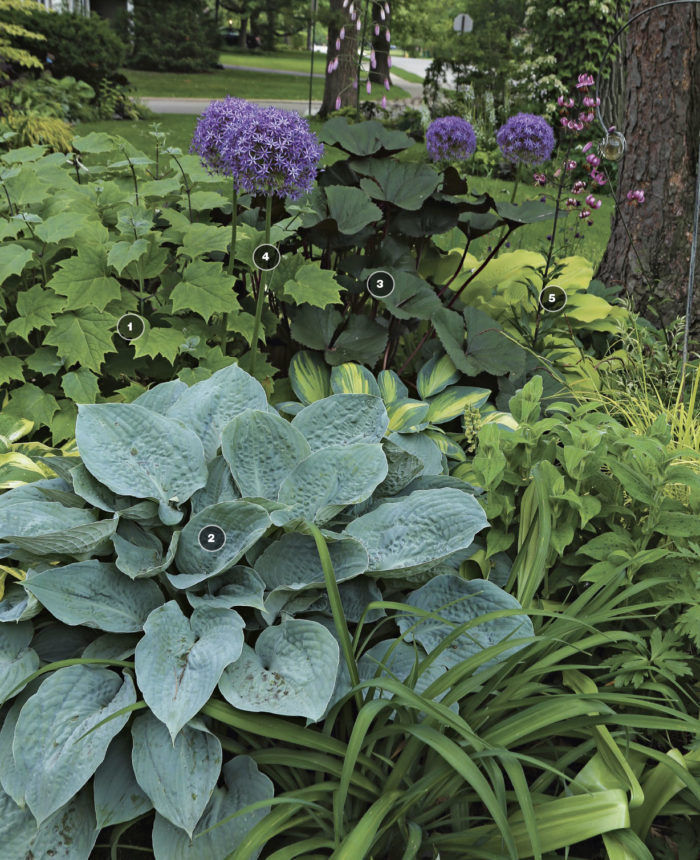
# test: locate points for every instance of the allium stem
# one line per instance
(562, 179)
(234, 229)
(261, 289)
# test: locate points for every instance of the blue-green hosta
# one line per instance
(415, 424)
(127, 640)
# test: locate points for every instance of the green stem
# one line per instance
(512, 196)
(261, 290)
(231, 264)
(337, 608)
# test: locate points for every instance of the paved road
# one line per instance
(196, 106)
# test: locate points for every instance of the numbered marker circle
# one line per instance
(266, 257)
(211, 538)
(552, 298)
(131, 326)
(380, 285)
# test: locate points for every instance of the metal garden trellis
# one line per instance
(612, 148)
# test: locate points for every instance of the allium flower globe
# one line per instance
(450, 137)
(526, 138)
(265, 150)
(229, 116)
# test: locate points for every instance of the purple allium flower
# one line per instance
(220, 118)
(450, 137)
(275, 152)
(526, 138)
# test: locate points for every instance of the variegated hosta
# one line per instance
(151, 627)
(415, 424)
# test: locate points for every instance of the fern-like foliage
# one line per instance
(9, 33)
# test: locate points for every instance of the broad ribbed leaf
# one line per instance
(17, 659)
(291, 672)
(453, 402)
(239, 586)
(24, 517)
(351, 378)
(95, 594)
(161, 397)
(136, 452)
(219, 487)
(436, 375)
(118, 797)
(329, 480)
(179, 777)
(309, 376)
(469, 600)
(416, 531)
(208, 406)
(342, 419)
(261, 449)
(293, 561)
(53, 758)
(242, 522)
(244, 785)
(179, 661)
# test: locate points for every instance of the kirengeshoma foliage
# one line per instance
(126, 646)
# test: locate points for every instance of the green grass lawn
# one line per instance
(244, 84)
(297, 61)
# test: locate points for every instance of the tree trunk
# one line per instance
(662, 130)
(269, 34)
(242, 33)
(380, 45)
(339, 84)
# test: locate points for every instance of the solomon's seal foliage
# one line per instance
(115, 582)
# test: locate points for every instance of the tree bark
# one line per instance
(649, 248)
(339, 84)
(380, 45)
(242, 33)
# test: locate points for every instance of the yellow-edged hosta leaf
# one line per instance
(406, 415)
(17, 469)
(390, 386)
(309, 377)
(436, 375)
(503, 419)
(352, 378)
(451, 403)
(448, 447)
(13, 428)
(6, 571)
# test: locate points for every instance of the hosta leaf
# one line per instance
(162, 396)
(469, 600)
(407, 415)
(436, 375)
(13, 259)
(293, 562)
(243, 524)
(137, 452)
(451, 403)
(314, 286)
(179, 777)
(342, 419)
(95, 594)
(118, 797)
(68, 834)
(53, 758)
(179, 661)
(416, 531)
(22, 516)
(205, 289)
(309, 376)
(17, 659)
(420, 446)
(329, 480)
(219, 487)
(141, 555)
(291, 672)
(390, 387)
(75, 541)
(261, 449)
(403, 468)
(399, 664)
(351, 378)
(208, 406)
(244, 784)
(239, 586)
(83, 337)
(84, 281)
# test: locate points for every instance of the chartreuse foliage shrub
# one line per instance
(122, 610)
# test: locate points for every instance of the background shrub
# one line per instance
(171, 36)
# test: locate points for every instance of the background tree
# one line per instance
(381, 19)
(10, 32)
(649, 248)
(338, 89)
